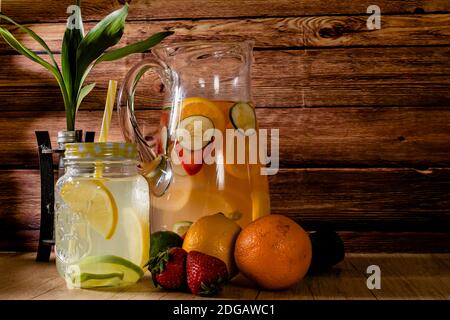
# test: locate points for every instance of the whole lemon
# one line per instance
(214, 235)
(273, 251)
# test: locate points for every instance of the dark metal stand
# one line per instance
(46, 167)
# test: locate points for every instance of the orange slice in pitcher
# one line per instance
(235, 169)
(196, 106)
(240, 171)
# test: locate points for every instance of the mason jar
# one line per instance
(102, 228)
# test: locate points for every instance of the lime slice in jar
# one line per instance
(92, 280)
(102, 271)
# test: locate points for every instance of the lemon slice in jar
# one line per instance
(94, 202)
(137, 234)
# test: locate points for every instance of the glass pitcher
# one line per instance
(200, 161)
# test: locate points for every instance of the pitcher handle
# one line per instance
(125, 104)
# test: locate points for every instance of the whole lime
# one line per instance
(163, 240)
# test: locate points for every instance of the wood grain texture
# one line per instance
(176, 9)
(416, 76)
(354, 241)
(411, 278)
(341, 282)
(318, 137)
(390, 241)
(357, 110)
(401, 200)
(367, 199)
(403, 276)
(323, 31)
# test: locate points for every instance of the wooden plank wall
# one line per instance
(363, 114)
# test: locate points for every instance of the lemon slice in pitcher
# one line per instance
(94, 202)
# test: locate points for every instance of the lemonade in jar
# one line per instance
(101, 216)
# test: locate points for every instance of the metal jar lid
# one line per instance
(66, 137)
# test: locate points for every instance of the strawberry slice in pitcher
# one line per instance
(188, 159)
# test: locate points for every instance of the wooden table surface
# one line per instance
(403, 276)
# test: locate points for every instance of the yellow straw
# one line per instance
(107, 114)
(106, 122)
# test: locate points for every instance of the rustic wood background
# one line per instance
(364, 115)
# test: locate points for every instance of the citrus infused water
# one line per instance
(101, 216)
(204, 181)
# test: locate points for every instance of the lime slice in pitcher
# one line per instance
(181, 227)
(94, 202)
(243, 117)
(102, 271)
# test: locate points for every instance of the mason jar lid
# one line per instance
(66, 136)
(107, 151)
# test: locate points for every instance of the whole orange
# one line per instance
(273, 251)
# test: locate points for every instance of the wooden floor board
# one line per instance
(316, 31)
(406, 274)
(403, 276)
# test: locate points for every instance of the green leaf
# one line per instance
(19, 47)
(71, 40)
(105, 34)
(34, 36)
(134, 48)
(83, 93)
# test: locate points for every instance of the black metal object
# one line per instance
(47, 195)
(46, 167)
(89, 136)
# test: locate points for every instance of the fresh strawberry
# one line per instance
(206, 275)
(168, 268)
